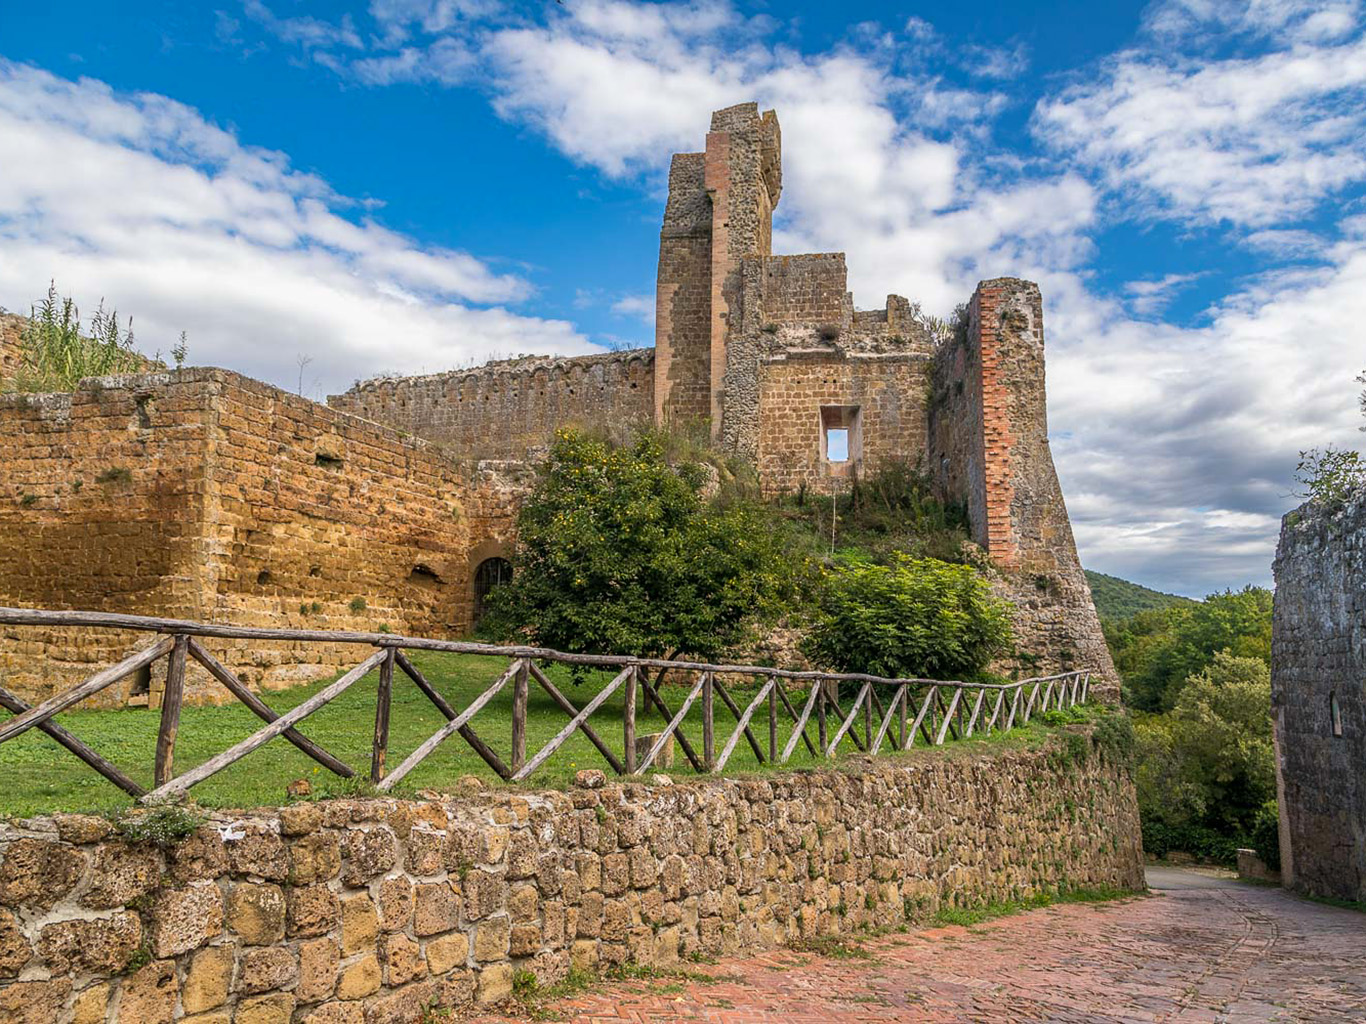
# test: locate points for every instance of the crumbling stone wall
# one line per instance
(988, 444)
(1318, 698)
(510, 409)
(796, 384)
(355, 911)
(201, 494)
(11, 328)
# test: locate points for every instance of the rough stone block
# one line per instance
(494, 984)
(102, 944)
(359, 923)
(402, 958)
(259, 852)
(337, 1013)
(14, 948)
(120, 873)
(491, 940)
(359, 979)
(265, 968)
(200, 857)
(207, 979)
(318, 963)
(37, 873)
(183, 919)
(395, 903)
(436, 909)
(256, 912)
(368, 854)
(91, 1005)
(448, 953)
(315, 858)
(272, 1009)
(149, 995)
(311, 910)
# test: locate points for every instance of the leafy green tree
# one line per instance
(917, 618)
(619, 552)
(1208, 763)
(1157, 651)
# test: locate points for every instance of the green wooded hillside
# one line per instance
(1118, 599)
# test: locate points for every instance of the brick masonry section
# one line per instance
(1318, 667)
(370, 910)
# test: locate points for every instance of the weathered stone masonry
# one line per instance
(201, 494)
(1318, 698)
(366, 912)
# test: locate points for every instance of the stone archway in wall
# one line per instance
(490, 567)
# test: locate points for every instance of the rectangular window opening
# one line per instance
(841, 437)
(837, 444)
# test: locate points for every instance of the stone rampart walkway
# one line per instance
(1198, 949)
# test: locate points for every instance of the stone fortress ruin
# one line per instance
(201, 494)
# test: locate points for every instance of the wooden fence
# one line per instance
(884, 711)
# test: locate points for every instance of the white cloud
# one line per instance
(1250, 140)
(140, 200)
(637, 307)
(1148, 298)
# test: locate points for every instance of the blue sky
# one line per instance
(411, 185)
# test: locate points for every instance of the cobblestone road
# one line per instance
(1198, 949)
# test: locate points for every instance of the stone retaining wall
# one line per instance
(367, 911)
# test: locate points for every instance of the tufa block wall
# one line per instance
(370, 912)
(201, 494)
(1318, 698)
(507, 410)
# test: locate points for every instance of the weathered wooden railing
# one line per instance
(933, 709)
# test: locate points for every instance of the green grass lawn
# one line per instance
(41, 777)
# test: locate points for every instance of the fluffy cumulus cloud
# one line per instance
(1247, 139)
(262, 265)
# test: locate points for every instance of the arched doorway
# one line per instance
(490, 574)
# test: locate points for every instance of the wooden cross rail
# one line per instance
(913, 707)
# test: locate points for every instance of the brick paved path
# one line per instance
(1197, 950)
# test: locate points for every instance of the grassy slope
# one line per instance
(1118, 599)
(40, 777)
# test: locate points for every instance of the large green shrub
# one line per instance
(917, 617)
(619, 552)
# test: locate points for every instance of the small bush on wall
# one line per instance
(915, 617)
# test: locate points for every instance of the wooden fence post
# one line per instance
(628, 721)
(868, 721)
(708, 723)
(820, 714)
(773, 722)
(383, 698)
(520, 690)
(171, 699)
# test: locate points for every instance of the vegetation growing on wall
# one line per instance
(55, 354)
(654, 545)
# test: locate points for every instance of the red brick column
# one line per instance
(998, 434)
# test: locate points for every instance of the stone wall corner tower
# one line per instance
(719, 211)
